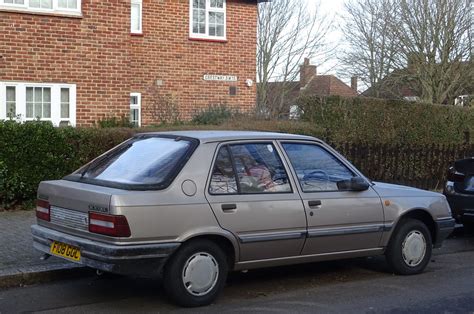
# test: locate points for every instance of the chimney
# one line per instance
(307, 71)
(354, 83)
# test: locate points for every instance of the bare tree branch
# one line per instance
(424, 45)
(371, 49)
(288, 32)
(435, 37)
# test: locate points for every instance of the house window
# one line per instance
(67, 4)
(31, 101)
(43, 4)
(208, 19)
(136, 17)
(38, 102)
(21, 2)
(65, 103)
(10, 101)
(54, 6)
(135, 109)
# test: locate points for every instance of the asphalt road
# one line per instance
(355, 286)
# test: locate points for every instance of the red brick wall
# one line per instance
(98, 54)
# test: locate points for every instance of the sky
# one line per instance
(330, 7)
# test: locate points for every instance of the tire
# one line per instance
(409, 249)
(190, 289)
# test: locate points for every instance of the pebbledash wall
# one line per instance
(94, 59)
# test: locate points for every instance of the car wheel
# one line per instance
(409, 249)
(196, 273)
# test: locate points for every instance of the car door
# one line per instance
(338, 220)
(253, 197)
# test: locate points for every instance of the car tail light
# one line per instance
(111, 225)
(43, 210)
(455, 176)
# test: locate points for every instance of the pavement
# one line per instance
(20, 263)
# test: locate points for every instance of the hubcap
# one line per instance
(200, 273)
(414, 248)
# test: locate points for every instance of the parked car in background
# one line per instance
(459, 191)
(193, 205)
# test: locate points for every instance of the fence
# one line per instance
(419, 166)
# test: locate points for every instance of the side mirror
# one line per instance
(353, 184)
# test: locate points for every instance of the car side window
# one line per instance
(259, 169)
(317, 169)
(223, 177)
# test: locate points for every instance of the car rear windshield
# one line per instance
(144, 162)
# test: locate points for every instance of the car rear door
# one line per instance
(338, 221)
(253, 197)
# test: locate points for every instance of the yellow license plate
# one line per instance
(65, 250)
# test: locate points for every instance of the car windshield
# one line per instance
(139, 161)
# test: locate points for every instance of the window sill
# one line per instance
(212, 40)
(137, 34)
(75, 15)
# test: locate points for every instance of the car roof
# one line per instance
(220, 136)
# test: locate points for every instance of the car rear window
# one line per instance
(146, 162)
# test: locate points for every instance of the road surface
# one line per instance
(356, 286)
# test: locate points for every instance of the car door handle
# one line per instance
(314, 203)
(226, 207)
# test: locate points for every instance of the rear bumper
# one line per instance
(444, 227)
(462, 206)
(143, 260)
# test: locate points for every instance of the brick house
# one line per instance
(285, 93)
(324, 85)
(77, 61)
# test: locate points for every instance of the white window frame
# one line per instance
(42, 103)
(20, 90)
(55, 8)
(208, 9)
(140, 24)
(137, 106)
(4, 105)
(13, 4)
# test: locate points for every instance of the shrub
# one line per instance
(115, 122)
(387, 121)
(36, 151)
(215, 115)
(29, 153)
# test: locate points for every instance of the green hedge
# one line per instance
(36, 151)
(373, 120)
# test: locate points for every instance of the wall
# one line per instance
(98, 53)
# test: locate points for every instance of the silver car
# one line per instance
(192, 206)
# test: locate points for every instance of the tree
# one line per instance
(434, 37)
(371, 52)
(424, 45)
(288, 31)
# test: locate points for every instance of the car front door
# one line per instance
(338, 220)
(253, 197)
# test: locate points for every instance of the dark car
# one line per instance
(459, 191)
